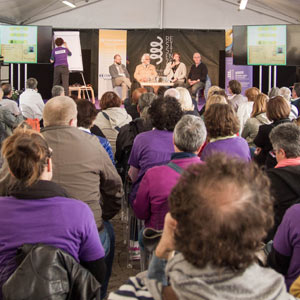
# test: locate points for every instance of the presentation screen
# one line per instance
(18, 44)
(266, 45)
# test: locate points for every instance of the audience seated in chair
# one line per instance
(31, 102)
(86, 114)
(222, 126)
(151, 203)
(7, 101)
(236, 98)
(83, 168)
(154, 147)
(132, 108)
(57, 90)
(258, 117)
(214, 98)
(40, 211)
(285, 140)
(245, 108)
(129, 131)
(111, 117)
(188, 106)
(278, 111)
(8, 120)
(218, 218)
(41, 267)
(286, 93)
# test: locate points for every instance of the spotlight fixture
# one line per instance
(69, 3)
(243, 4)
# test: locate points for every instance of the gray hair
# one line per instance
(273, 92)
(143, 57)
(185, 99)
(189, 133)
(285, 93)
(57, 90)
(144, 103)
(287, 137)
(31, 83)
(172, 93)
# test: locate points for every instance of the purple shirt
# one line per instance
(151, 203)
(287, 242)
(60, 56)
(150, 149)
(61, 222)
(236, 147)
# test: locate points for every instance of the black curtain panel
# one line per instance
(162, 43)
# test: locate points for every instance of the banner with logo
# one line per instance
(111, 42)
(244, 74)
(160, 44)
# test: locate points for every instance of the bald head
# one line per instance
(197, 58)
(60, 110)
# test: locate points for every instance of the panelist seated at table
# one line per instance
(120, 75)
(197, 75)
(145, 72)
(176, 71)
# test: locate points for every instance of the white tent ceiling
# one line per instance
(45, 12)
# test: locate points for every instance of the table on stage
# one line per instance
(156, 84)
(82, 90)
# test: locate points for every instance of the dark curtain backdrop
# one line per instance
(209, 43)
(162, 43)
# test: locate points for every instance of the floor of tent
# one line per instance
(120, 271)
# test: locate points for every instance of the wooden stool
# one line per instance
(82, 89)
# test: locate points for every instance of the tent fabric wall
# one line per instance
(189, 14)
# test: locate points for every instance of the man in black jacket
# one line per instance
(296, 95)
(285, 139)
(197, 75)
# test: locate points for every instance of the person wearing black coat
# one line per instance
(278, 111)
(285, 176)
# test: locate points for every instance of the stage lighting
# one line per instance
(69, 3)
(243, 4)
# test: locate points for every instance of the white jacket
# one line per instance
(31, 104)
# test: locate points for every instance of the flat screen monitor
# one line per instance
(25, 44)
(266, 45)
(275, 52)
(18, 44)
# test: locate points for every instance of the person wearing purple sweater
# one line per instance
(222, 125)
(59, 57)
(151, 203)
(155, 147)
(40, 211)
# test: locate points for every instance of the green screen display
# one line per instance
(266, 45)
(18, 44)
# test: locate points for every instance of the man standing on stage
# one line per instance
(197, 75)
(59, 57)
(120, 76)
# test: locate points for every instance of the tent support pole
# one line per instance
(161, 14)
